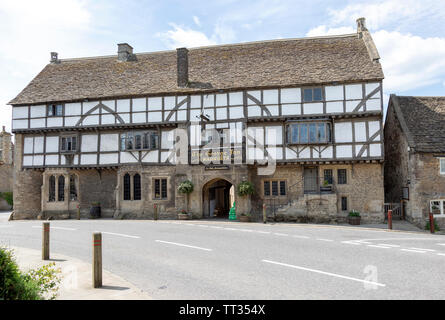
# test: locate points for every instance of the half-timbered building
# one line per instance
(299, 118)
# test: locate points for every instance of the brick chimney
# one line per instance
(361, 25)
(125, 52)
(182, 66)
(54, 57)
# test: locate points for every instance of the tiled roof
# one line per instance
(279, 63)
(424, 119)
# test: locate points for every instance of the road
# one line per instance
(216, 259)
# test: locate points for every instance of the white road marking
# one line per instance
(184, 245)
(440, 244)
(301, 237)
(325, 273)
(6, 226)
(245, 230)
(430, 250)
(441, 254)
(61, 228)
(264, 232)
(230, 229)
(389, 245)
(365, 242)
(214, 227)
(328, 240)
(201, 225)
(376, 246)
(351, 242)
(119, 234)
(281, 234)
(409, 250)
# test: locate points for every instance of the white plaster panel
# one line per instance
(109, 142)
(37, 123)
(172, 118)
(38, 111)
(334, 107)
(312, 108)
(209, 100)
(87, 106)
(210, 113)
(88, 159)
(169, 103)
(20, 124)
(110, 104)
(195, 135)
(127, 157)
(273, 110)
(38, 144)
(251, 153)
(52, 144)
(194, 114)
(19, 112)
(37, 161)
(152, 156)
(275, 153)
(125, 117)
(236, 98)
(88, 121)
(327, 153)
(256, 94)
(195, 102)
(54, 122)
(123, 105)
(343, 132)
(290, 154)
(373, 104)
(306, 153)
(360, 131)
(73, 109)
(254, 111)
(353, 91)
(291, 95)
(274, 135)
(221, 100)
(358, 147)
(290, 109)
(139, 117)
(89, 143)
(139, 104)
(75, 160)
(222, 125)
(167, 138)
(52, 160)
(71, 121)
(27, 160)
(369, 87)
(165, 155)
(270, 96)
(108, 158)
(28, 145)
(236, 112)
(344, 151)
(106, 119)
(259, 153)
(334, 93)
(351, 105)
(182, 115)
(221, 113)
(374, 126)
(155, 117)
(375, 150)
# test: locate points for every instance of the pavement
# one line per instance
(220, 259)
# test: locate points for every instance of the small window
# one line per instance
(139, 140)
(52, 189)
(73, 188)
(309, 133)
(137, 186)
(328, 176)
(437, 207)
(274, 188)
(127, 187)
(55, 110)
(442, 165)
(61, 189)
(267, 188)
(68, 144)
(160, 188)
(341, 173)
(344, 203)
(312, 94)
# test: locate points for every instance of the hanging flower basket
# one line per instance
(185, 187)
(245, 188)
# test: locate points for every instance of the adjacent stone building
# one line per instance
(6, 167)
(299, 118)
(415, 156)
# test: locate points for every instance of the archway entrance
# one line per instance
(218, 197)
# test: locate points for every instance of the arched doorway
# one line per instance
(218, 196)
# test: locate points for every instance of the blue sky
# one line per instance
(409, 34)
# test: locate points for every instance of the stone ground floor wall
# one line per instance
(364, 191)
(6, 183)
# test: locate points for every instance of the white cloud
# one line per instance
(196, 21)
(184, 37)
(325, 31)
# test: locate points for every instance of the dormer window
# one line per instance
(312, 95)
(55, 110)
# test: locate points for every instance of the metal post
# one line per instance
(155, 214)
(97, 260)
(390, 219)
(78, 212)
(432, 229)
(45, 241)
(264, 213)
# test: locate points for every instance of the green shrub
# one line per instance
(354, 213)
(436, 227)
(34, 285)
(245, 188)
(7, 196)
(185, 186)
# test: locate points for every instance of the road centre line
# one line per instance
(263, 232)
(351, 242)
(183, 245)
(119, 234)
(376, 246)
(430, 250)
(440, 244)
(441, 254)
(325, 273)
(327, 240)
(301, 237)
(389, 245)
(281, 234)
(61, 228)
(410, 250)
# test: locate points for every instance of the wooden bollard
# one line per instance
(155, 214)
(45, 241)
(97, 260)
(390, 219)
(264, 213)
(432, 229)
(78, 212)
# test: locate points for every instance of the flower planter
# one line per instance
(182, 216)
(354, 220)
(95, 212)
(326, 189)
(244, 219)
